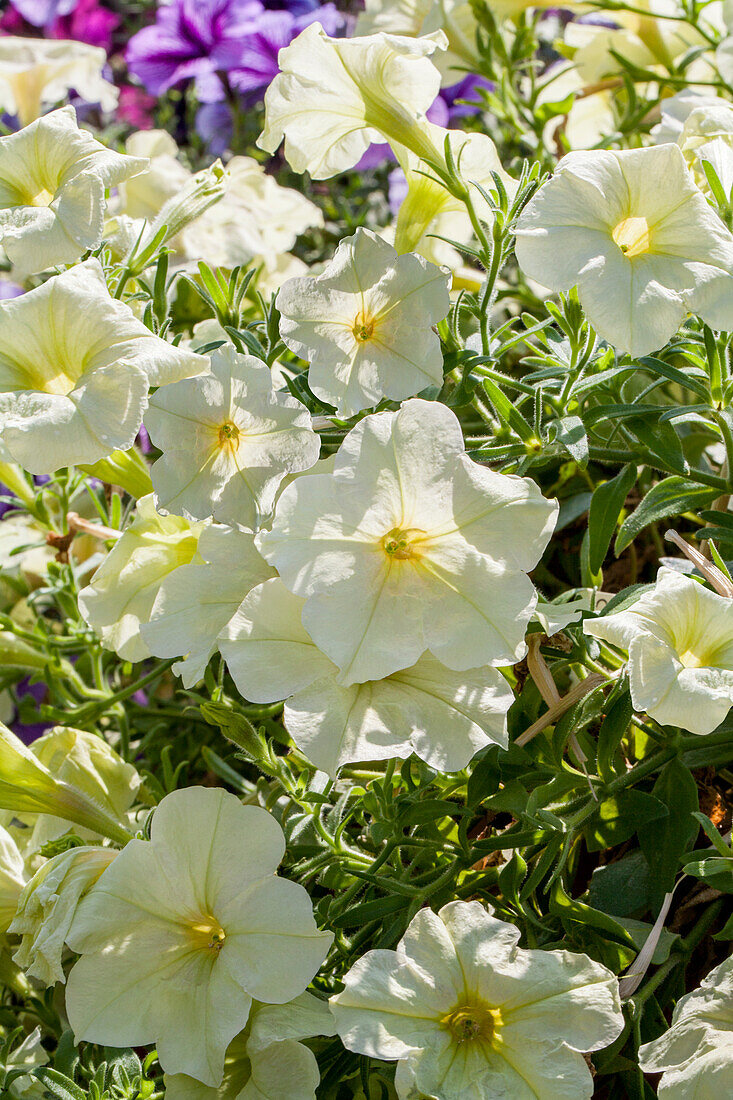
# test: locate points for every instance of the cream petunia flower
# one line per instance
(467, 1013)
(266, 1061)
(228, 439)
(365, 324)
(695, 1056)
(455, 18)
(194, 603)
(679, 638)
(707, 135)
(146, 193)
(122, 591)
(37, 73)
(410, 546)
(635, 234)
(91, 766)
(335, 96)
(75, 367)
(12, 878)
(47, 905)
(429, 211)
(443, 716)
(182, 932)
(53, 179)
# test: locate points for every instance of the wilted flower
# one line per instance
(12, 878)
(75, 367)
(182, 932)
(679, 638)
(467, 1013)
(410, 546)
(36, 74)
(195, 602)
(53, 178)
(123, 590)
(47, 905)
(334, 97)
(228, 439)
(695, 1056)
(365, 324)
(443, 716)
(266, 1060)
(634, 233)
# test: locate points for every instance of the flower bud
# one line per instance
(127, 469)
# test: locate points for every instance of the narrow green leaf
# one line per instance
(605, 508)
(671, 497)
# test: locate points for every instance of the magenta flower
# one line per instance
(88, 22)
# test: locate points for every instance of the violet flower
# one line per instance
(192, 39)
(268, 33)
(42, 12)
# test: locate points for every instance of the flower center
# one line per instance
(363, 328)
(228, 434)
(208, 934)
(401, 544)
(633, 236)
(472, 1020)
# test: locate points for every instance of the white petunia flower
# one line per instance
(182, 932)
(335, 96)
(75, 367)
(257, 219)
(466, 1013)
(679, 638)
(145, 194)
(635, 234)
(53, 179)
(28, 1055)
(123, 590)
(410, 546)
(47, 905)
(707, 135)
(365, 324)
(677, 109)
(228, 440)
(37, 73)
(443, 716)
(194, 603)
(266, 1061)
(12, 878)
(695, 1056)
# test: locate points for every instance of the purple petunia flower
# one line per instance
(201, 39)
(42, 12)
(191, 39)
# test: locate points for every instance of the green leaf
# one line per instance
(618, 818)
(671, 497)
(613, 728)
(568, 908)
(59, 1086)
(508, 413)
(605, 508)
(665, 841)
(662, 441)
(358, 915)
(570, 432)
(621, 888)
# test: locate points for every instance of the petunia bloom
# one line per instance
(12, 878)
(266, 1061)
(334, 97)
(228, 439)
(53, 179)
(443, 716)
(695, 1056)
(75, 368)
(122, 591)
(679, 638)
(182, 932)
(36, 74)
(465, 1012)
(365, 324)
(637, 237)
(196, 601)
(410, 546)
